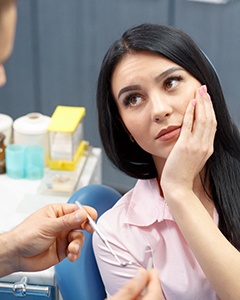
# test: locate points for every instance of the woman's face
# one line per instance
(152, 94)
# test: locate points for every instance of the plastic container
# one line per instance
(66, 137)
(34, 162)
(32, 130)
(15, 161)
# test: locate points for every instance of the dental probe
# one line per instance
(103, 238)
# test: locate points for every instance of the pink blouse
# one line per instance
(140, 226)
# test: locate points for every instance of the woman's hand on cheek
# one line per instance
(194, 145)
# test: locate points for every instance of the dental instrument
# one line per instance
(103, 238)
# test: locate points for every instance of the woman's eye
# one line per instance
(172, 83)
(132, 100)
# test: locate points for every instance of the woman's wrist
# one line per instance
(176, 193)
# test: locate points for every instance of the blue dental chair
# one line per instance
(81, 280)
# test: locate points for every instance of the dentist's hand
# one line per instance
(48, 236)
(145, 286)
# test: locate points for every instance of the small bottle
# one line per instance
(2, 154)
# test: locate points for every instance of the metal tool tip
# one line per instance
(126, 264)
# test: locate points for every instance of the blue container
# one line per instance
(34, 162)
(15, 161)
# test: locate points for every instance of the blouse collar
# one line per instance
(147, 206)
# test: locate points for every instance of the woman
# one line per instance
(159, 103)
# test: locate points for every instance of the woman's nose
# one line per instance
(161, 108)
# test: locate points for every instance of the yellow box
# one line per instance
(66, 137)
(72, 115)
(68, 165)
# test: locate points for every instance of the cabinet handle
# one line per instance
(22, 289)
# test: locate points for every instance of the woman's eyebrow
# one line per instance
(158, 78)
(128, 89)
(167, 73)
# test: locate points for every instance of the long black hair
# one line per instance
(223, 167)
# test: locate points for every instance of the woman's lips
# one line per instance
(168, 133)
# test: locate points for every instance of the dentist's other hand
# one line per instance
(145, 286)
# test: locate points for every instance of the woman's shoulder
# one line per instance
(118, 211)
(137, 196)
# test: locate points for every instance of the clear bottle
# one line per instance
(2, 154)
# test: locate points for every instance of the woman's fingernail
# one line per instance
(200, 91)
